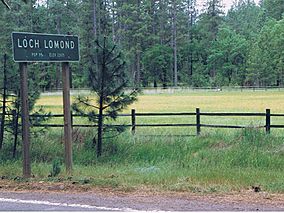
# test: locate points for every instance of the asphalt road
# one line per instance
(12, 206)
(91, 201)
(11, 201)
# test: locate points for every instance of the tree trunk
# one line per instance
(3, 102)
(155, 83)
(57, 76)
(162, 22)
(213, 72)
(138, 50)
(174, 34)
(100, 128)
(94, 3)
(154, 21)
(164, 79)
(101, 102)
(16, 128)
(138, 69)
(113, 22)
(58, 70)
(190, 9)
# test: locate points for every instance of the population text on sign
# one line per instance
(32, 47)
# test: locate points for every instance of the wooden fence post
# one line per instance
(133, 121)
(198, 126)
(267, 125)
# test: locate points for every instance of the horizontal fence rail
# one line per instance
(133, 124)
(197, 124)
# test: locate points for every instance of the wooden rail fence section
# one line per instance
(198, 124)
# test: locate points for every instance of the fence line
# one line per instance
(198, 114)
(198, 124)
(172, 89)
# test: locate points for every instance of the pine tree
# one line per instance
(7, 5)
(266, 60)
(274, 8)
(246, 18)
(208, 27)
(108, 82)
(157, 61)
(214, 18)
(228, 55)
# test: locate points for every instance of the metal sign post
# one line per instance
(31, 47)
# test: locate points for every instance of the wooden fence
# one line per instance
(133, 124)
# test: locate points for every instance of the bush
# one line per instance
(56, 168)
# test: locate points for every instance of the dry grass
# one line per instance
(207, 101)
(212, 101)
(234, 101)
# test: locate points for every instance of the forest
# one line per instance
(164, 43)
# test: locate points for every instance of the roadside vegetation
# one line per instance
(166, 159)
(216, 163)
(159, 44)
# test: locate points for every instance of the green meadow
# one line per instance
(188, 101)
(170, 158)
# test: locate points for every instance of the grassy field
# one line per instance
(216, 161)
(210, 101)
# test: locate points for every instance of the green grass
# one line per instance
(157, 158)
(215, 163)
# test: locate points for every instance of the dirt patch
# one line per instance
(164, 200)
(43, 186)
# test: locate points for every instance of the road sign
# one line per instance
(31, 47)
(35, 47)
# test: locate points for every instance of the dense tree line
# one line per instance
(165, 43)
